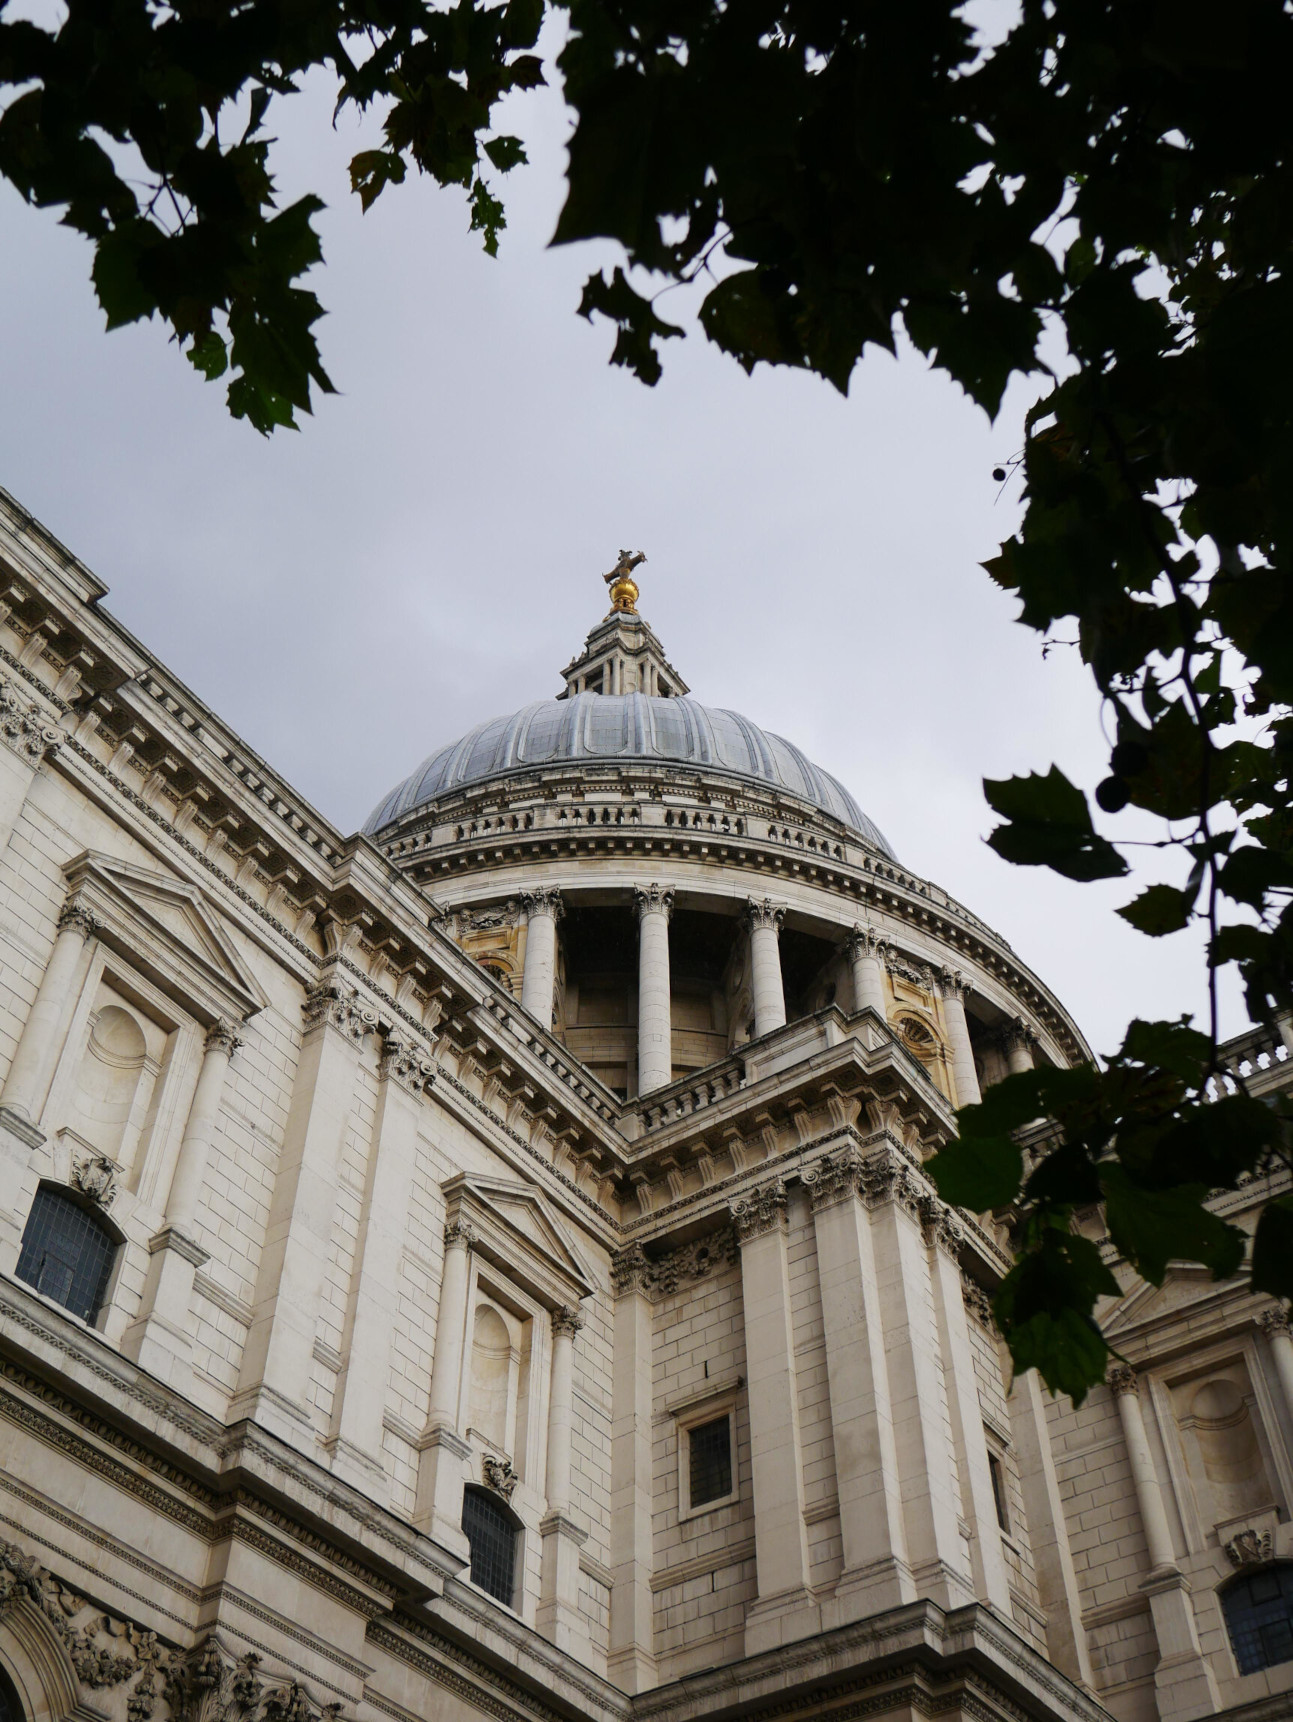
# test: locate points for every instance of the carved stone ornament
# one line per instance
(886, 1177)
(834, 1178)
(459, 1234)
(914, 973)
(1016, 1036)
(132, 1674)
(77, 916)
(406, 1064)
(543, 902)
(567, 1319)
(1248, 1548)
(1122, 1378)
(95, 1176)
(653, 900)
(943, 1231)
(24, 726)
(487, 920)
(953, 982)
(499, 1475)
(342, 1007)
(761, 1210)
(865, 942)
(1274, 1320)
(223, 1037)
(917, 1036)
(977, 1302)
(633, 1270)
(764, 914)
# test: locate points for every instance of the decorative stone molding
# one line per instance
(886, 1177)
(1274, 1319)
(1248, 1548)
(95, 1176)
(25, 727)
(632, 1270)
(653, 899)
(545, 901)
(977, 1302)
(498, 1475)
(953, 983)
(764, 914)
(943, 1231)
(835, 1178)
(486, 920)
(1122, 1378)
(761, 1210)
(906, 969)
(459, 1234)
(406, 1064)
(342, 1007)
(75, 914)
(1016, 1036)
(567, 1319)
(222, 1036)
(864, 941)
(918, 1036)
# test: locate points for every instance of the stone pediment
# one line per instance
(516, 1228)
(1148, 1305)
(169, 930)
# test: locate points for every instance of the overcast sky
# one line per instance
(428, 551)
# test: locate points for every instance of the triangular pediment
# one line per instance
(168, 924)
(523, 1228)
(1147, 1305)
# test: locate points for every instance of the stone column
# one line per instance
(1183, 1680)
(944, 1239)
(1017, 1040)
(159, 1340)
(655, 1032)
(876, 1573)
(631, 1660)
(355, 1440)
(785, 1607)
(866, 950)
(1057, 1585)
(443, 1453)
(278, 1357)
(543, 911)
(764, 921)
(30, 1073)
(558, 1617)
(27, 1084)
(916, 1368)
(964, 1075)
(1274, 1323)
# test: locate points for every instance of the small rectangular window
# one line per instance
(709, 1466)
(998, 1473)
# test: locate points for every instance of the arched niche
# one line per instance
(36, 1664)
(108, 1079)
(494, 1355)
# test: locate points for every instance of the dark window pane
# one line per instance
(1259, 1614)
(491, 1535)
(10, 1708)
(999, 1490)
(710, 1464)
(66, 1253)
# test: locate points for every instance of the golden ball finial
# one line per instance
(624, 588)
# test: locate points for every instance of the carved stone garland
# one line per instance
(633, 1270)
(138, 1672)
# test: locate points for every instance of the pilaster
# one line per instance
(631, 1660)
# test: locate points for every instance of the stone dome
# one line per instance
(649, 728)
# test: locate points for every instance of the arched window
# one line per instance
(1259, 1615)
(67, 1252)
(490, 1530)
(11, 1709)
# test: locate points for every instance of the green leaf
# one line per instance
(978, 1172)
(1159, 909)
(209, 355)
(1272, 1265)
(1152, 1227)
(1049, 825)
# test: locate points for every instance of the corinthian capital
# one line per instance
(864, 942)
(835, 1178)
(1274, 1320)
(25, 727)
(653, 900)
(764, 914)
(760, 1210)
(955, 985)
(342, 1007)
(222, 1037)
(406, 1064)
(545, 901)
(566, 1319)
(1122, 1378)
(76, 915)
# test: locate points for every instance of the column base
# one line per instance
(558, 1618)
(1184, 1683)
(159, 1340)
(781, 1619)
(632, 1670)
(362, 1470)
(868, 1590)
(276, 1413)
(443, 1471)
